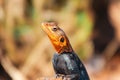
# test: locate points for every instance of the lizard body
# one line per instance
(65, 60)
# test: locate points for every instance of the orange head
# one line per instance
(57, 37)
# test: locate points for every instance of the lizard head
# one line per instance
(57, 37)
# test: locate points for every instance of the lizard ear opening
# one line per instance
(62, 39)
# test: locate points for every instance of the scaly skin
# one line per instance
(65, 61)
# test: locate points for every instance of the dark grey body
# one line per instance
(70, 65)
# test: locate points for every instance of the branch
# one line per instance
(11, 70)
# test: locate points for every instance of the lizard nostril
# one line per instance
(45, 24)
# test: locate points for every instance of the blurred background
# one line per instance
(92, 27)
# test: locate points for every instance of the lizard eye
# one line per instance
(54, 29)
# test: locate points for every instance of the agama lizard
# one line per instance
(65, 60)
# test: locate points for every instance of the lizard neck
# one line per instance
(66, 48)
